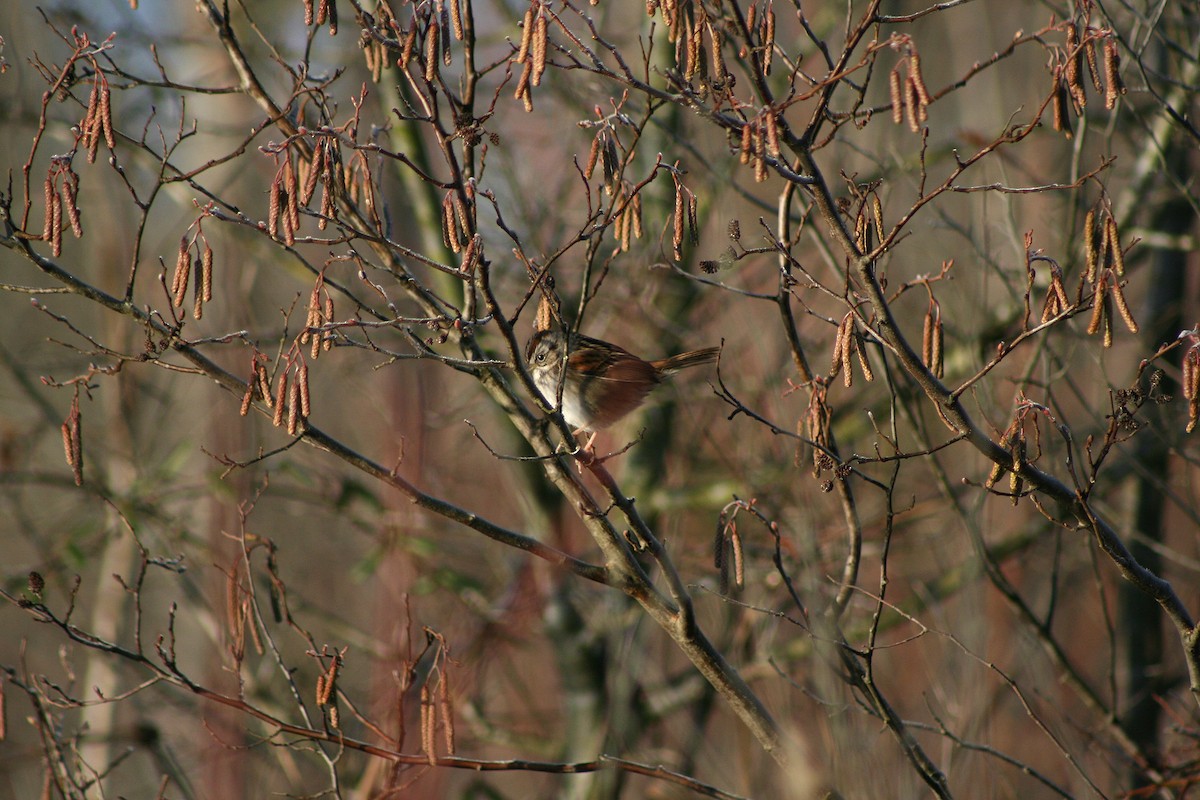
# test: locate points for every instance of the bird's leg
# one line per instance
(587, 454)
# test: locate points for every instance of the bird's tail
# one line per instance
(694, 358)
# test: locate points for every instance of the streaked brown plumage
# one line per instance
(603, 382)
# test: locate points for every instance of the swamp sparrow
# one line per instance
(603, 382)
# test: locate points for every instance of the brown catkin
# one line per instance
(670, 14)
(848, 350)
(293, 187)
(768, 40)
(289, 231)
(312, 318)
(460, 211)
(446, 710)
(623, 225)
(1059, 290)
(183, 267)
(247, 398)
(305, 399)
(1108, 322)
(1091, 247)
(936, 365)
(1114, 87)
(912, 104)
(281, 395)
(1053, 305)
(772, 134)
(293, 418)
(48, 188)
(1187, 383)
(72, 213)
(691, 50)
(522, 92)
(593, 156)
(747, 142)
(366, 188)
(839, 347)
(1191, 373)
(410, 41)
(93, 146)
(677, 237)
(718, 57)
(273, 207)
(637, 215)
(1114, 242)
(997, 467)
(76, 441)
(207, 260)
(198, 305)
(1062, 122)
(91, 123)
(1098, 304)
(432, 43)
(90, 128)
(1016, 483)
(1105, 245)
(471, 255)
(76, 453)
(611, 160)
(914, 73)
(1089, 51)
(693, 222)
(427, 723)
(56, 225)
(456, 19)
(371, 55)
(263, 384)
(897, 94)
(306, 335)
(328, 193)
(540, 45)
(69, 188)
(863, 363)
(198, 302)
(739, 565)
(327, 341)
(526, 35)
(860, 231)
(444, 42)
(449, 226)
(68, 443)
(315, 169)
(1118, 296)
(106, 114)
(1074, 65)
(927, 338)
(293, 197)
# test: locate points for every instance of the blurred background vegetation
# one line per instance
(1011, 653)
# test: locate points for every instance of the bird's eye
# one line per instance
(540, 357)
